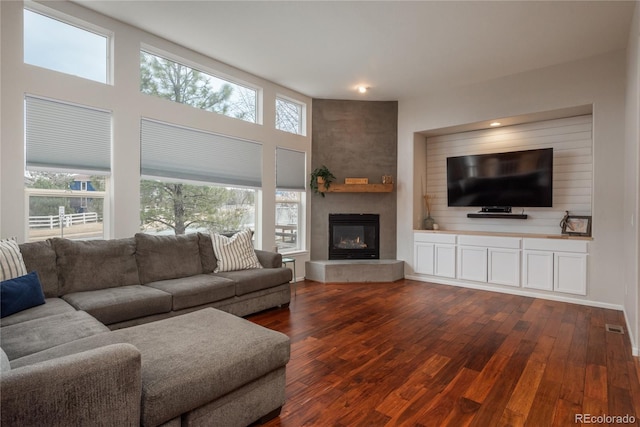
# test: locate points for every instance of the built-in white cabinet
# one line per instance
(444, 260)
(545, 264)
(555, 265)
(435, 254)
(423, 257)
(503, 266)
(492, 259)
(537, 270)
(472, 263)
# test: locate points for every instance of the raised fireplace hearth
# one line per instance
(354, 236)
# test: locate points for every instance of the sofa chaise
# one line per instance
(142, 331)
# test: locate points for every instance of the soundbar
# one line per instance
(496, 215)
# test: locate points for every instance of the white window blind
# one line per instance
(290, 170)
(170, 151)
(61, 136)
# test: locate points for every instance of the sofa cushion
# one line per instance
(269, 259)
(189, 360)
(248, 281)
(196, 290)
(41, 257)
(51, 307)
(33, 336)
(114, 305)
(4, 361)
(167, 257)
(207, 257)
(234, 253)
(11, 262)
(95, 264)
(20, 293)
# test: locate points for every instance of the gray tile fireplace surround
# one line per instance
(355, 270)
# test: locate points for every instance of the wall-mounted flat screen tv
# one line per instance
(516, 178)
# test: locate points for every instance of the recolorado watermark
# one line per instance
(604, 419)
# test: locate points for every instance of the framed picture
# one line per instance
(577, 226)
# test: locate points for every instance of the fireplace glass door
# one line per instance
(354, 236)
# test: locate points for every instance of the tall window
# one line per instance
(68, 162)
(290, 191)
(205, 183)
(289, 116)
(177, 82)
(170, 206)
(60, 46)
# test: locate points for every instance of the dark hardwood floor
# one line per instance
(419, 354)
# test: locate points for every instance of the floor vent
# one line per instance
(614, 328)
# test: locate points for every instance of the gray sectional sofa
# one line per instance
(141, 331)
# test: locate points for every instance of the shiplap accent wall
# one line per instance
(572, 143)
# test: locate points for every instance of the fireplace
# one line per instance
(354, 236)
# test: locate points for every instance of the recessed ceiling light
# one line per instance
(362, 89)
(495, 124)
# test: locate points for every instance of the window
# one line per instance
(57, 210)
(290, 190)
(179, 83)
(289, 116)
(68, 149)
(56, 45)
(288, 215)
(199, 184)
(179, 207)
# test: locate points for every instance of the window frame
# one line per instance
(67, 194)
(256, 191)
(211, 72)
(302, 114)
(301, 214)
(82, 25)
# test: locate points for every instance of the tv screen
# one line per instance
(517, 178)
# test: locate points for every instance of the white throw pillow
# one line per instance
(11, 262)
(234, 253)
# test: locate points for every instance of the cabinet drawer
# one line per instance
(556, 245)
(490, 241)
(434, 238)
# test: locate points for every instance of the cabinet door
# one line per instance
(537, 270)
(444, 260)
(472, 263)
(504, 266)
(570, 273)
(423, 258)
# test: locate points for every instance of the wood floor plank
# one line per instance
(417, 354)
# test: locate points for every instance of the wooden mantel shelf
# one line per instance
(354, 188)
(357, 188)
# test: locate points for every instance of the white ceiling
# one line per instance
(324, 49)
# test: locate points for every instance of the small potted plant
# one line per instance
(321, 176)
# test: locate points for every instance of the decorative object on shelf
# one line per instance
(436, 227)
(575, 225)
(428, 221)
(326, 178)
(386, 179)
(352, 181)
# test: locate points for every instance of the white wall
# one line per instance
(598, 81)
(128, 105)
(631, 206)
